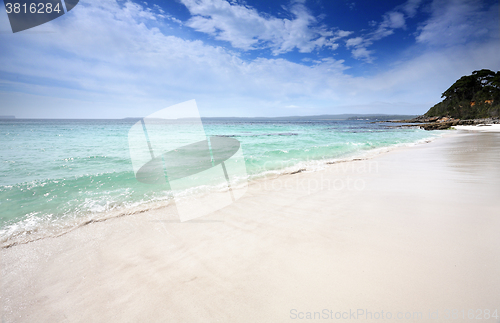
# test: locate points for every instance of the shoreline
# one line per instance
(480, 128)
(414, 231)
(64, 226)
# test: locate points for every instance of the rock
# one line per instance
(442, 123)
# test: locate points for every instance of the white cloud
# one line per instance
(410, 7)
(104, 57)
(245, 28)
(394, 20)
(362, 53)
(354, 41)
(342, 33)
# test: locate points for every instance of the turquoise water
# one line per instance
(56, 170)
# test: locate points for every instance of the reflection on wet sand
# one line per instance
(476, 156)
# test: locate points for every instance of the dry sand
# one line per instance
(480, 128)
(415, 230)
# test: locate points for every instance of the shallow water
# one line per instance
(55, 171)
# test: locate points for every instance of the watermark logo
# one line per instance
(170, 148)
(26, 14)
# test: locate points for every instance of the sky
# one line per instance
(123, 58)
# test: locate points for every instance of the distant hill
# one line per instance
(471, 97)
(7, 117)
(382, 117)
(324, 117)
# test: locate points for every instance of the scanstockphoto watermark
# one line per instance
(170, 149)
(352, 166)
(350, 177)
(357, 314)
(312, 185)
(366, 314)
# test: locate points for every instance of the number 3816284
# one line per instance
(32, 8)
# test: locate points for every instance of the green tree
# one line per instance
(471, 96)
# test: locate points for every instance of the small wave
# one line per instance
(37, 227)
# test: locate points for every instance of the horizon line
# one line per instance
(348, 115)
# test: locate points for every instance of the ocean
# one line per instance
(58, 174)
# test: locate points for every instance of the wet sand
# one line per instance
(413, 232)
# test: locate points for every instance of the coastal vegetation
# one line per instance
(470, 97)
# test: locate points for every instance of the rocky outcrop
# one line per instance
(443, 123)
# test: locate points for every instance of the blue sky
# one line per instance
(115, 58)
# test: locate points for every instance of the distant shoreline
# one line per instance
(324, 117)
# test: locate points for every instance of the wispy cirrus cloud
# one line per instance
(247, 29)
(451, 22)
(459, 21)
(391, 20)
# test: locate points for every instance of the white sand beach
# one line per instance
(413, 232)
(480, 128)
